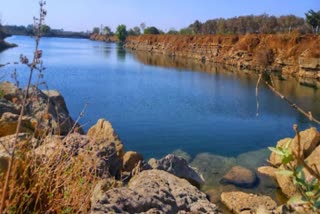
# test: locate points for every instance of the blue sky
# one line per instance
(82, 15)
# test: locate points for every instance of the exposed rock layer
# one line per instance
(289, 53)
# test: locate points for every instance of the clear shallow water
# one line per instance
(156, 108)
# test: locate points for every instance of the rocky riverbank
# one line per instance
(288, 53)
(123, 182)
(103, 38)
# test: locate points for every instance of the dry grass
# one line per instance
(60, 182)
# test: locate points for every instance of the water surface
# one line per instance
(158, 105)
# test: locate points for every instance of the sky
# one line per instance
(83, 15)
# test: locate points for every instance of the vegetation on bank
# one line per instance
(260, 24)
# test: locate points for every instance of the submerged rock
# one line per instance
(212, 167)
(240, 202)
(240, 177)
(154, 191)
(178, 167)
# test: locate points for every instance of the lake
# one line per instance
(158, 105)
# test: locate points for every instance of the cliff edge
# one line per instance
(289, 53)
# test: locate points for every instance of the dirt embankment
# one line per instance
(289, 53)
(104, 38)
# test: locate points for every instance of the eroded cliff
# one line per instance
(289, 53)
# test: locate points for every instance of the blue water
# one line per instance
(158, 109)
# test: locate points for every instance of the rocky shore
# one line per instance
(287, 53)
(167, 185)
(103, 38)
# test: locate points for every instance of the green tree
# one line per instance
(45, 29)
(151, 30)
(107, 31)
(313, 19)
(122, 33)
(96, 30)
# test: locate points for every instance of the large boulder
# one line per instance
(178, 167)
(240, 202)
(103, 153)
(6, 147)
(314, 162)
(46, 111)
(103, 131)
(153, 191)
(286, 184)
(309, 140)
(240, 177)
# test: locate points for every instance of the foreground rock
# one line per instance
(310, 151)
(154, 191)
(45, 113)
(178, 167)
(240, 177)
(240, 202)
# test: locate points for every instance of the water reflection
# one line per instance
(302, 94)
(121, 53)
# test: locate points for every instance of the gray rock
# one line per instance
(154, 191)
(212, 167)
(178, 167)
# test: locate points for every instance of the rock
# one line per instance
(6, 106)
(240, 202)
(241, 177)
(286, 184)
(314, 162)
(8, 142)
(212, 172)
(9, 122)
(56, 97)
(105, 153)
(8, 90)
(103, 130)
(268, 170)
(131, 160)
(47, 114)
(154, 191)
(275, 159)
(178, 167)
(310, 138)
(182, 154)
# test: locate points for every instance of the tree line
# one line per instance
(263, 23)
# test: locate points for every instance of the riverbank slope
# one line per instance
(288, 53)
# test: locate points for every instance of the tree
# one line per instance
(172, 31)
(122, 33)
(96, 30)
(107, 31)
(151, 30)
(45, 29)
(313, 19)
